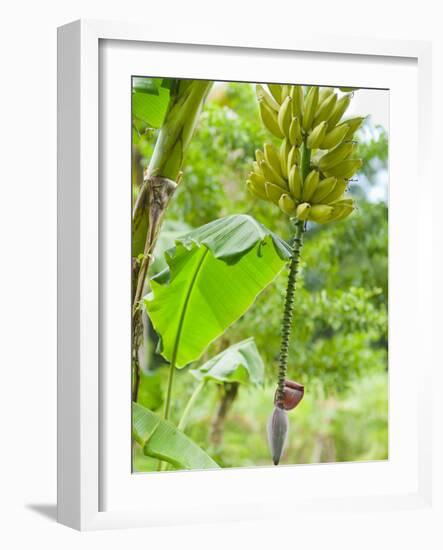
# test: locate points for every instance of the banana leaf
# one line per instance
(150, 100)
(213, 276)
(162, 440)
(240, 363)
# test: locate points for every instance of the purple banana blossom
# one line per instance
(278, 433)
(292, 395)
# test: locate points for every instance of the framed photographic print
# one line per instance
(235, 232)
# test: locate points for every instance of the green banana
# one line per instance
(310, 107)
(302, 211)
(293, 157)
(264, 95)
(256, 191)
(272, 157)
(269, 119)
(273, 192)
(259, 155)
(325, 109)
(345, 169)
(339, 110)
(271, 175)
(317, 135)
(275, 90)
(294, 182)
(324, 93)
(336, 155)
(285, 147)
(286, 204)
(320, 213)
(324, 188)
(353, 125)
(257, 179)
(337, 192)
(285, 116)
(310, 185)
(334, 137)
(297, 101)
(340, 212)
(285, 90)
(295, 135)
(306, 118)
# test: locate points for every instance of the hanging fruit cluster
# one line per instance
(308, 174)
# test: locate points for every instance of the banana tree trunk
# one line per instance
(159, 183)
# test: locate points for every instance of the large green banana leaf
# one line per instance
(214, 275)
(162, 440)
(240, 363)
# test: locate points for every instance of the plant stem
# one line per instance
(187, 99)
(297, 244)
(184, 419)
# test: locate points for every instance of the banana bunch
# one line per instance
(308, 174)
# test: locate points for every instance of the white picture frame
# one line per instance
(95, 492)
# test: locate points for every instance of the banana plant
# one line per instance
(213, 276)
(306, 177)
(174, 106)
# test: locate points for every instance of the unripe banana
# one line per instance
(310, 185)
(310, 107)
(257, 179)
(285, 90)
(295, 135)
(325, 109)
(287, 204)
(337, 192)
(302, 211)
(269, 119)
(317, 135)
(345, 169)
(297, 101)
(259, 155)
(256, 168)
(320, 213)
(347, 89)
(353, 125)
(273, 192)
(339, 110)
(293, 157)
(294, 182)
(285, 147)
(344, 202)
(264, 95)
(336, 155)
(272, 157)
(340, 212)
(324, 93)
(275, 90)
(285, 116)
(271, 175)
(334, 137)
(256, 191)
(324, 188)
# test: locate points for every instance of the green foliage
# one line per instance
(161, 439)
(214, 274)
(339, 343)
(239, 363)
(150, 99)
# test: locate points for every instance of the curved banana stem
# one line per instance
(297, 244)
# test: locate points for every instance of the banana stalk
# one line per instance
(306, 177)
(159, 183)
